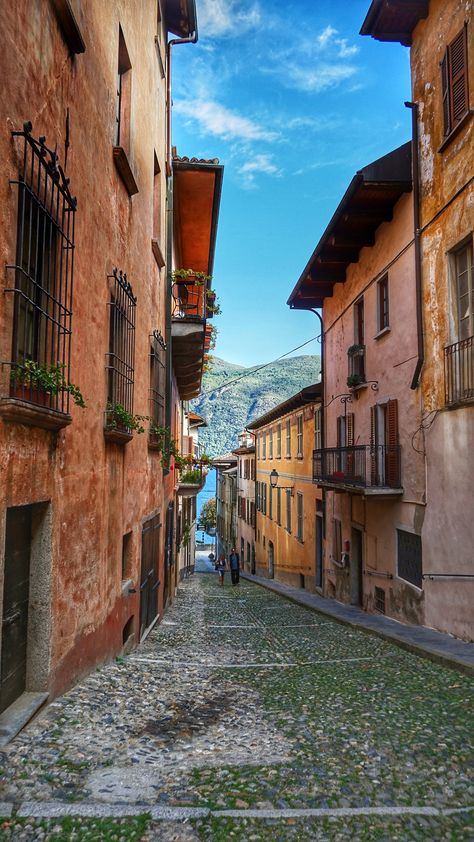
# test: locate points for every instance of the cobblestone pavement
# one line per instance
(246, 717)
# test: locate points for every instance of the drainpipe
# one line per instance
(191, 39)
(416, 220)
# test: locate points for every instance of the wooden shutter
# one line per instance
(350, 429)
(373, 450)
(445, 90)
(458, 77)
(339, 430)
(392, 454)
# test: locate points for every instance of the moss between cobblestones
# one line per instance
(70, 829)
(369, 829)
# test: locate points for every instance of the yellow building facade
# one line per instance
(289, 509)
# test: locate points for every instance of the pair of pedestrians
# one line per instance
(234, 567)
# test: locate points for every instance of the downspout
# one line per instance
(191, 39)
(169, 227)
(416, 220)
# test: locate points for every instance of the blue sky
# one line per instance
(293, 101)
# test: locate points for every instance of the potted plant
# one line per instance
(189, 276)
(43, 381)
(355, 380)
(121, 420)
(354, 350)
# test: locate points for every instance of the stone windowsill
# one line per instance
(447, 140)
(124, 170)
(382, 332)
(23, 412)
(158, 254)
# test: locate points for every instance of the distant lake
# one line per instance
(207, 492)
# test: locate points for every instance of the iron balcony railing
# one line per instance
(459, 371)
(189, 301)
(361, 466)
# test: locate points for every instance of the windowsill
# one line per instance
(117, 436)
(157, 253)
(160, 58)
(154, 446)
(69, 26)
(382, 332)
(447, 140)
(24, 412)
(299, 456)
(124, 170)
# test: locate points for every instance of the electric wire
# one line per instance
(250, 371)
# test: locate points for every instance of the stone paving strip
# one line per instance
(242, 717)
(54, 809)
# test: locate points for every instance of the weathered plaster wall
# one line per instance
(447, 218)
(98, 491)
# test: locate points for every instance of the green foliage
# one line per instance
(46, 378)
(186, 536)
(355, 380)
(229, 410)
(354, 349)
(118, 418)
(207, 517)
(185, 274)
(193, 477)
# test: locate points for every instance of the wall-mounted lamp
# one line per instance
(274, 483)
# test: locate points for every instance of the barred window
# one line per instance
(121, 353)
(42, 313)
(157, 379)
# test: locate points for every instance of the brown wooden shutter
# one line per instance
(373, 451)
(445, 89)
(339, 428)
(457, 68)
(392, 455)
(350, 429)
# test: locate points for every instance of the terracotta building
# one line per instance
(88, 513)
(440, 37)
(288, 504)
(245, 513)
(362, 275)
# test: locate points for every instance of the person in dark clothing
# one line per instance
(234, 564)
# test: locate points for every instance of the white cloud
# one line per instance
(216, 119)
(317, 64)
(259, 164)
(326, 36)
(221, 18)
(320, 77)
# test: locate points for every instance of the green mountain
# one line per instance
(232, 396)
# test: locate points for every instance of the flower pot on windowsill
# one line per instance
(32, 394)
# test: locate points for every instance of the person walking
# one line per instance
(234, 564)
(221, 567)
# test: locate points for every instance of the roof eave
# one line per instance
(394, 20)
(181, 18)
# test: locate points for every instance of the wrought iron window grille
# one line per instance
(120, 358)
(157, 384)
(44, 268)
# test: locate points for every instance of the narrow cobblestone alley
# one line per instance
(244, 716)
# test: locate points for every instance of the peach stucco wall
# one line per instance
(390, 360)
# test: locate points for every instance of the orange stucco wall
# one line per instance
(97, 491)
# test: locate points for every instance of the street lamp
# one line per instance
(274, 477)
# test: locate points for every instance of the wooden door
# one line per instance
(356, 567)
(15, 605)
(149, 581)
(319, 550)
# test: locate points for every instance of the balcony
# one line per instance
(192, 480)
(356, 366)
(363, 469)
(188, 315)
(459, 372)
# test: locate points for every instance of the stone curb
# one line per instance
(452, 661)
(58, 809)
